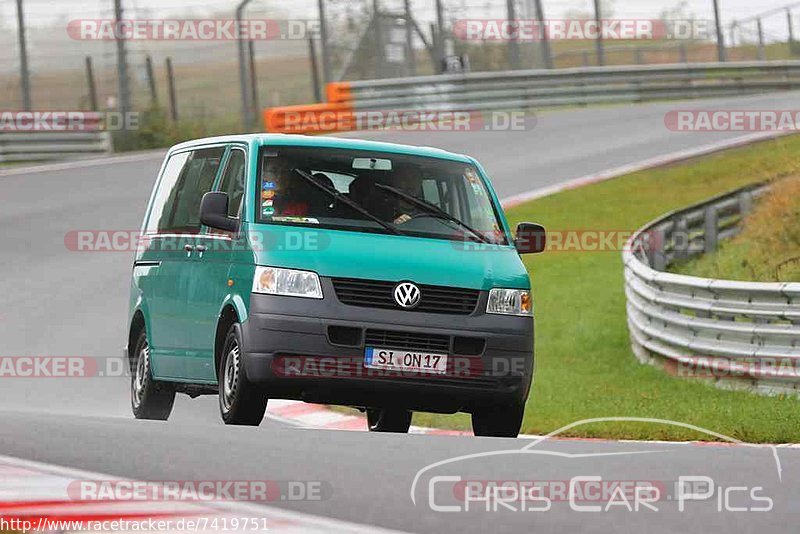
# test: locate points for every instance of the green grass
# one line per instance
(584, 365)
(768, 248)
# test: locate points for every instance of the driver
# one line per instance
(408, 179)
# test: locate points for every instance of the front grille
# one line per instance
(407, 340)
(380, 294)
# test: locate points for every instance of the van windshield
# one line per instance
(376, 192)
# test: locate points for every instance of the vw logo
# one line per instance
(407, 295)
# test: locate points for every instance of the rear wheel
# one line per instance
(498, 422)
(240, 401)
(150, 399)
(388, 420)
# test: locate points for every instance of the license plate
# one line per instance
(405, 360)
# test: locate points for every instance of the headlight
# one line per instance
(510, 302)
(289, 282)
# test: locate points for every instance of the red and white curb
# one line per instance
(321, 417)
(40, 493)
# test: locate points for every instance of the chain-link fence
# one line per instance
(364, 39)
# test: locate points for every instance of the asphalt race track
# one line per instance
(59, 302)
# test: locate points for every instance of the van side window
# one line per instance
(172, 172)
(180, 211)
(233, 181)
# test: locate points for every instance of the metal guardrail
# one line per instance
(48, 146)
(738, 333)
(575, 86)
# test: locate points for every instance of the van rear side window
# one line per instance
(186, 178)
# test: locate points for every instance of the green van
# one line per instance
(330, 270)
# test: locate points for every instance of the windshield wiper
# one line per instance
(437, 211)
(340, 197)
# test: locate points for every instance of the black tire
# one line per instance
(240, 401)
(150, 399)
(498, 422)
(392, 420)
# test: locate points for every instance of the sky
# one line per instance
(49, 13)
(43, 11)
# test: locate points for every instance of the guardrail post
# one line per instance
(655, 248)
(710, 230)
(745, 203)
(684, 57)
(680, 239)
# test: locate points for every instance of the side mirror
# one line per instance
(531, 238)
(214, 212)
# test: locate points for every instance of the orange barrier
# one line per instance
(336, 115)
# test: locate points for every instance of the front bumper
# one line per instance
(290, 349)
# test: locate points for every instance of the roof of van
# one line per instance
(325, 141)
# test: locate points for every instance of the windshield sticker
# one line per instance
(268, 194)
(293, 219)
(267, 211)
(268, 185)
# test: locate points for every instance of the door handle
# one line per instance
(188, 248)
(200, 249)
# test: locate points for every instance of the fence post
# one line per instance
(173, 103)
(24, 73)
(710, 230)
(122, 65)
(253, 84)
(243, 85)
(598, 15)
(323, 38)
(438, 43)
(412, 65)
(545, 43)
(312, 54)
(791, 25)
(91, 83)
(151, 80)
(380, 47)
(513, 45)
(683, 55)
(761, 52)
(720, 38)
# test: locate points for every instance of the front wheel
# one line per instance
(240, 401)
(149, 399)
(498, 422)
(388, 420)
